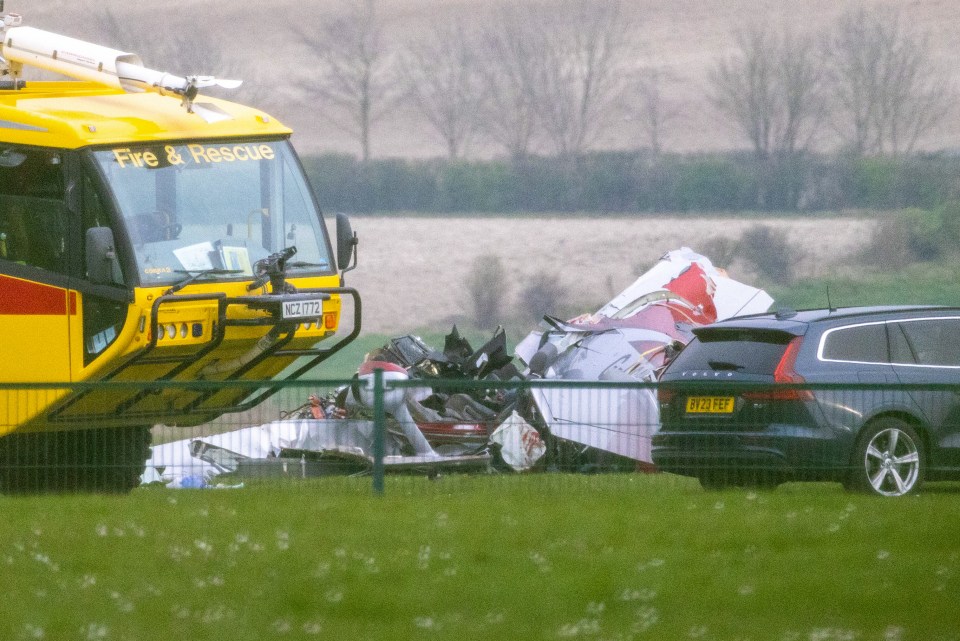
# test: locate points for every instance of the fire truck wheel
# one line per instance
(108, 460)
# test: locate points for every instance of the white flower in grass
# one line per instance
(87, 580)
(425, 623)
(494, 618)
(178, 553)
(43, 559)
(644, 594)
(745, 590)
(719, 505)
(651, 564)
(283, 540)
(102, 530)
(281, 626)
(423, 557)
(882, 555)
(697, 632)
(645, 618)
(313, 627)
(215, 614)
(540, 561)
(583, 627)
(832, 634)
(893, 633)
(94, 631)
(31, 631)
(596, 608)
(333, 595)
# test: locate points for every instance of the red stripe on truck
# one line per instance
(22, 297)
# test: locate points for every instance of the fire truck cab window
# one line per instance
(32, 212)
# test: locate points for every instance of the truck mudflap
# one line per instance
(111, 401)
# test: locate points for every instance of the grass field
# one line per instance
(502, 557)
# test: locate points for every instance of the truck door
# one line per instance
(36, 303)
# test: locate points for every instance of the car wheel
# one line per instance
(889, 459)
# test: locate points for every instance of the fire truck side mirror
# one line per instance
(103, 266)
(346, 244)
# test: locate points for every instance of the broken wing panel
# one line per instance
(620, 421)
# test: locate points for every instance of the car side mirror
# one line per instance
(103, 266)
(347, 242)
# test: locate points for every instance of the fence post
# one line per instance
(379, 432)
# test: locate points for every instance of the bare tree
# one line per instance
(648, 104)
(578, 78)
(444, 82)
(887, 92)
(355, 77)
(772, 89)
(507, 115)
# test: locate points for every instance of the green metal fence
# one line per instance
(885, 438)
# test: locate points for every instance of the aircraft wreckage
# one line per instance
(437, 424)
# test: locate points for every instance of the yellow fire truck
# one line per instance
(147, 233)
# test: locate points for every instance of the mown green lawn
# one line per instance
(486, 557)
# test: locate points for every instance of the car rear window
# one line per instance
(743, 352)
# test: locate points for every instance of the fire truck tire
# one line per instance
(107, 460)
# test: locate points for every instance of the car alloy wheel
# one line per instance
(890, 459)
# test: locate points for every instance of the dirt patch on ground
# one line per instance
(413, 270)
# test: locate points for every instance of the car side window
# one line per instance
(935, 341)
(33, 221)
(861, 344)
(900, 351)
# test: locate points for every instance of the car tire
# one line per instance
(889, 459)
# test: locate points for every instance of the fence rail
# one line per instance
(882, 437)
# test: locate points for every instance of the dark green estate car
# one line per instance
(867, 396)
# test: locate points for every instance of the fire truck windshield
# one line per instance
(200, 206)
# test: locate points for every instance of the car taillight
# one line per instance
(785, 372)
